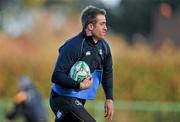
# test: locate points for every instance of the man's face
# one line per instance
(100, 29)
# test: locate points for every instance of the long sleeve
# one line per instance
(66, 59)
(107, 80)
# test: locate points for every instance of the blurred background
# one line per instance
(144, 39)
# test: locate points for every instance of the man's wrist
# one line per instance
(81, 86)
(109, 100)
(76, 85)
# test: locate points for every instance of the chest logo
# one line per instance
(88, 53)
(100, 51)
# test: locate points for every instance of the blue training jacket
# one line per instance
(97, 56)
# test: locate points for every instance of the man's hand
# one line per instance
(86, 83)
(109, 109)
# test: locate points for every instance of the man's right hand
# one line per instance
(86, 83)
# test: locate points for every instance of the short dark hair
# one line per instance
(88, 15)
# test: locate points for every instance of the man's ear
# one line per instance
(90, 26)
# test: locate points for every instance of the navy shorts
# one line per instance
(69, 109)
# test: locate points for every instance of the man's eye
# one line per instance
(102, 24)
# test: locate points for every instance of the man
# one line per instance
(28, 103)
(68, 96)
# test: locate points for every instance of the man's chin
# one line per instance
(102, 38)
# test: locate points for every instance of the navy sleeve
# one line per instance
(66, 59)
(107, 80)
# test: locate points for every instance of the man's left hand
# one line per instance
(109, 109)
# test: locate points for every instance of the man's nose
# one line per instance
(105, 27)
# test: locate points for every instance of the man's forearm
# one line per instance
(63, 80)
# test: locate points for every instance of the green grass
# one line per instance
(125, 111)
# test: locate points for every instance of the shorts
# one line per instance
(69, 109)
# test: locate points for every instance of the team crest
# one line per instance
(88, 53)
(100, 51)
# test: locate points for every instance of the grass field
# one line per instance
(124, 111)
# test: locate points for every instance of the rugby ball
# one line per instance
(79, 71)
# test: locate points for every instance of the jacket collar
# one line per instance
(88, 38)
